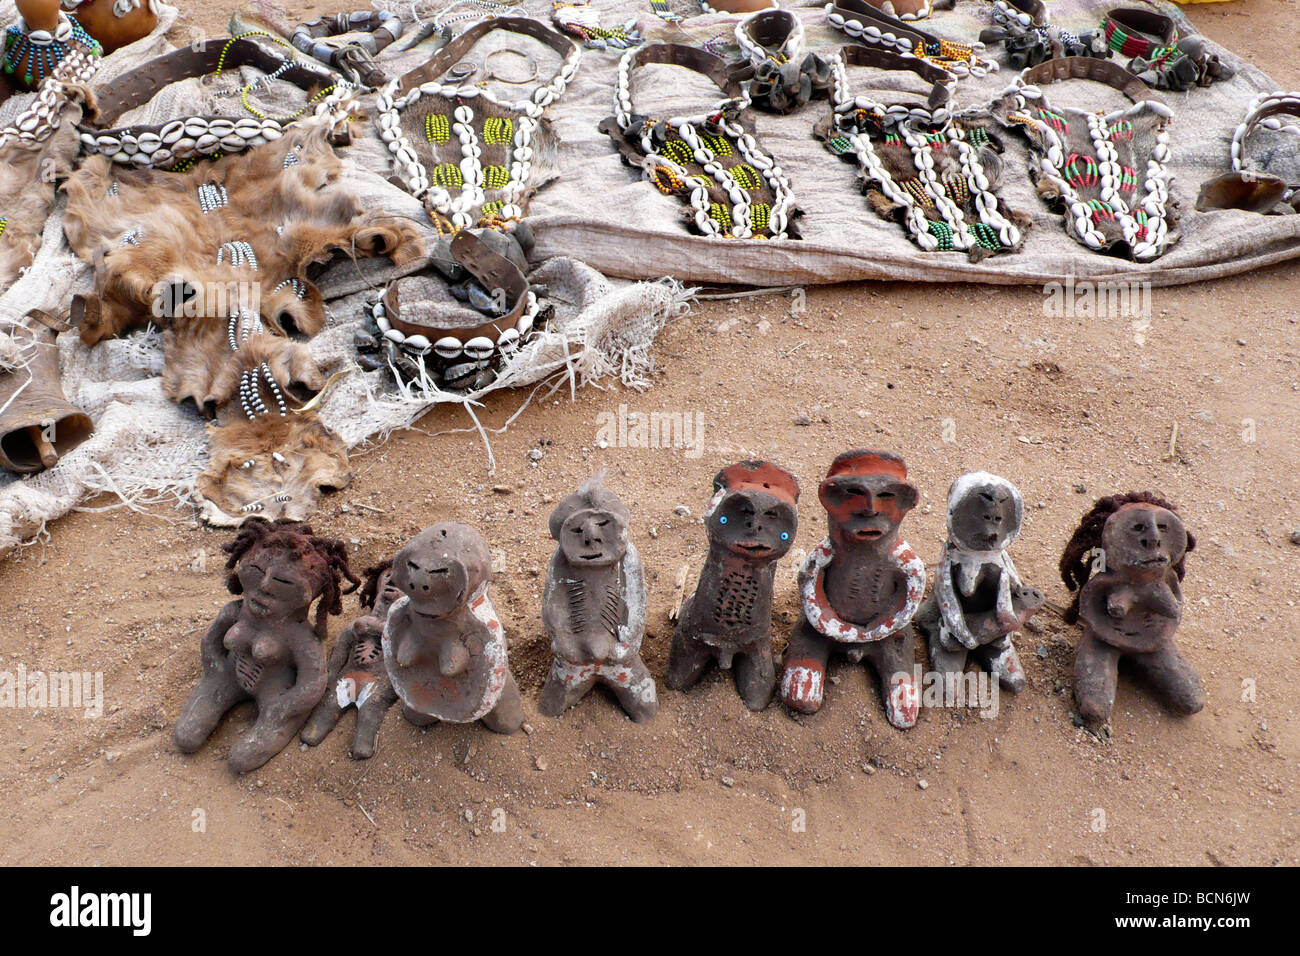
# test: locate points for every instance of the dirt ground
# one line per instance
(954, 378)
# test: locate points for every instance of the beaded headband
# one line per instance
(185, 138)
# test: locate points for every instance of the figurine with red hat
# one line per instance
(860, 587)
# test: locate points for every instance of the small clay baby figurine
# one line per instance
(357, 675)
(860, 587)
(444, 646)
(262, 647)
(594, 606)
(1127, 559)
(751, 522)
(978, 601)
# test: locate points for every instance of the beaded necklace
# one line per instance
(580, 19)
(1090, 161)
(720, 143)
(39, 52)
(434, 179)
(869, 26)
(935, 204)
(43, 117)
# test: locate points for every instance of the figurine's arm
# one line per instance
(212, 649)
(309, 660)
(555, 615)
(343, 646)
(635, 597)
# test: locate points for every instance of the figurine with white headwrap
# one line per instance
(978, 600)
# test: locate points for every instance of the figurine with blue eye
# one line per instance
(978, 601)
(751, 522)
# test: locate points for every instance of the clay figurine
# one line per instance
(1127, 558)
(357, 675)
(594, 606)
(751, 523)
(860, 587)
(262, 647)
(978, 601)
(444, 646)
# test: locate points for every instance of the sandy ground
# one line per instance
(955, 378)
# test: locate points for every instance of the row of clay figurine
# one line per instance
(429, 636)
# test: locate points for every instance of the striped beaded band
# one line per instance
(869, 26)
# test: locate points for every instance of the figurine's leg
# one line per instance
(756, 675)
(1173, 678)
(565, 685)
(369, 716)
(1002, 662)
(1096, 668)
(894, 661)
(926, 619)
(686, 660)
(272, 732)
(638, 695)
(216, 693)
(417, 718)
(803, 678)
(508, 714)
(942, 659)
(323, 718)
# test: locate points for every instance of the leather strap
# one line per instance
(491, 269)
(437, 65)
(940, 80)
(137, 87)
(691, 58)
(1091, 68)
(1140, 26)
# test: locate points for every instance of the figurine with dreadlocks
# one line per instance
(1126, 559)
(978, 601)
(262, 647)
(357, 675)
(860, 587)
(595, 605)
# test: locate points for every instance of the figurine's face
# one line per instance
(441, 568)
(592, 537)
(1143, 537)
(385, 594)
(866, 507)
(275, 583)
(985, 519)
(753, 524)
